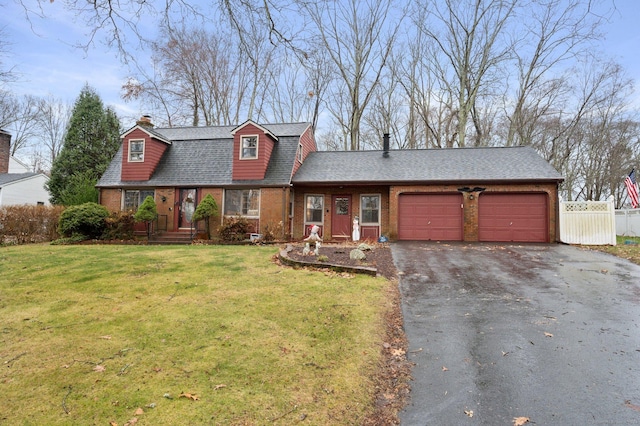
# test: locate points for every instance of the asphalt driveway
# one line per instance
(497, 332)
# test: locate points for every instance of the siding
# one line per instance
(153, 151)
(251, 169)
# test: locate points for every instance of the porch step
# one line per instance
(171, 238)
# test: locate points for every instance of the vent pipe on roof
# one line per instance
(385, 145)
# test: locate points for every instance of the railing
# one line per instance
(588, 222)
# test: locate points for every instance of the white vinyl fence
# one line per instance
(588, 222)
(628, 222)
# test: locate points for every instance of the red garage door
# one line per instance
(513, 217)
(430, 217)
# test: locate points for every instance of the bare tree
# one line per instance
(23, 127)
(555, 32)
(358, 38)
(51, 123)
(470, 36)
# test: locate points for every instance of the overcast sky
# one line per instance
(43, 54)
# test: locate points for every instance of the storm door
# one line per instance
(186, 206)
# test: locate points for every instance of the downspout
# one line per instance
(284, 211)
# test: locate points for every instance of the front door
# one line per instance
(341, 216)
(186, 206)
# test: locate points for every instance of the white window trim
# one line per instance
(305, 209)
(224, 199)
(124, 192)
(379, 210)
(141, 160)
(242, 138)
(300, 148)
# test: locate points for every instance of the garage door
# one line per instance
(430, 217)
(513, 217)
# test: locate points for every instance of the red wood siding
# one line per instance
(251, 169)
(308, 145)
(513, 217)
(143, 170)
(430, 217)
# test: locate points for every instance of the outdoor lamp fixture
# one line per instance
(164, 199)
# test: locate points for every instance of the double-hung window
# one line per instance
(133, 198)
(249, 147)
(136, 150)
(370, 209)
(314, 207)
(242, 202)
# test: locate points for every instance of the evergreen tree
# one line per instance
(147, 213)
(205, 210)
(92, 139)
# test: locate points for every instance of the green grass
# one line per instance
(89, 334)
(626, 247)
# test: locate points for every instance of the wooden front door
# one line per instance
(341, 216)
(186, 206)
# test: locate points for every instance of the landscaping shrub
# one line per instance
(147, 213)
(86, 219)
(272, 232)
(24, 224)
(119, 226)
(205, 210)
(234, 229)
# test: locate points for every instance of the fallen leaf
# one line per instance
(469, 413)
(548, 334)
(632, 406)
(398, 352)
(389, 396)
(113, 424)
(191, 396)
(216, 387)
(444, 368)
(99, 368)
(107, 337)
(505, 353)
(519, 421)
(133, 421)
(139, 412)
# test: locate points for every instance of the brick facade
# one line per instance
(328, 191)
(470, 204)
(389, 205)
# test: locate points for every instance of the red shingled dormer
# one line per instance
(252, 147)
(142, 149)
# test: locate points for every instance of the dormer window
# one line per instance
(136, 150)
(248, 147)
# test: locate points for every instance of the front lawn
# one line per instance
(151, 335)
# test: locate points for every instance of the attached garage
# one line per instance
(430, 217)
(513, 217)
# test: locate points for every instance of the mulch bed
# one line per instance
(378, 257)
(392, 378)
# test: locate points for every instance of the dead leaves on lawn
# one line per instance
(191, 396)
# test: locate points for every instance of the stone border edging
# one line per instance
(284, 257)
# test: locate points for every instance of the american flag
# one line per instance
(632, 188)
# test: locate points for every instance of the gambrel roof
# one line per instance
(203, 156)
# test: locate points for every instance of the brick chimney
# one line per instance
(5, 151)
(145, 121)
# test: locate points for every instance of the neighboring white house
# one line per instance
(18, 185)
